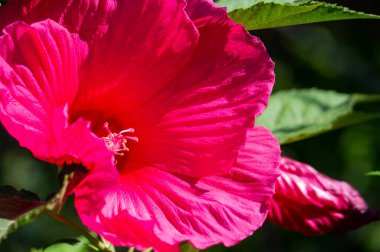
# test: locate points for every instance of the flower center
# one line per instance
(117, 142)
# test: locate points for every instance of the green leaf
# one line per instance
(65, 245)
(256, 15)
(187, 247)
(4, 227)
(373, 173)
(244, 4)
(299, 114)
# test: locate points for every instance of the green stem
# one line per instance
(95, 242)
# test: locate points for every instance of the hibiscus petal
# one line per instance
(153, 208)
(196, 125)
(203, 9)
(38, 79)
(229, 71)
(132, 62)
(89, 18)
(153, 44)
(311, 203)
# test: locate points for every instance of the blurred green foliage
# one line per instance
(343, 56)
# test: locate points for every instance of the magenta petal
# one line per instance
(187, 83)
(132, 62)
(246, 188)
(199, 10)
(207, 109)
(153, 208)
(88, 18)
(38, 80)
(311, 203)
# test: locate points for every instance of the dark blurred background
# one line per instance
(343, 56)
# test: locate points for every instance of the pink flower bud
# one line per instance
(311, 203)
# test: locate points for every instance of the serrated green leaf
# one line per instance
(187, 247)
(244, 4)
(373, 173)
(256, 15)
(299, 114)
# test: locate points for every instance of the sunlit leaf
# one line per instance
(373, 173)
(269, 14)
(146, 250)
(4, 227)
(244, 4)
(298, 114)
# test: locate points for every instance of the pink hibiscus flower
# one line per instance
(154, 98)
(311, 203)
